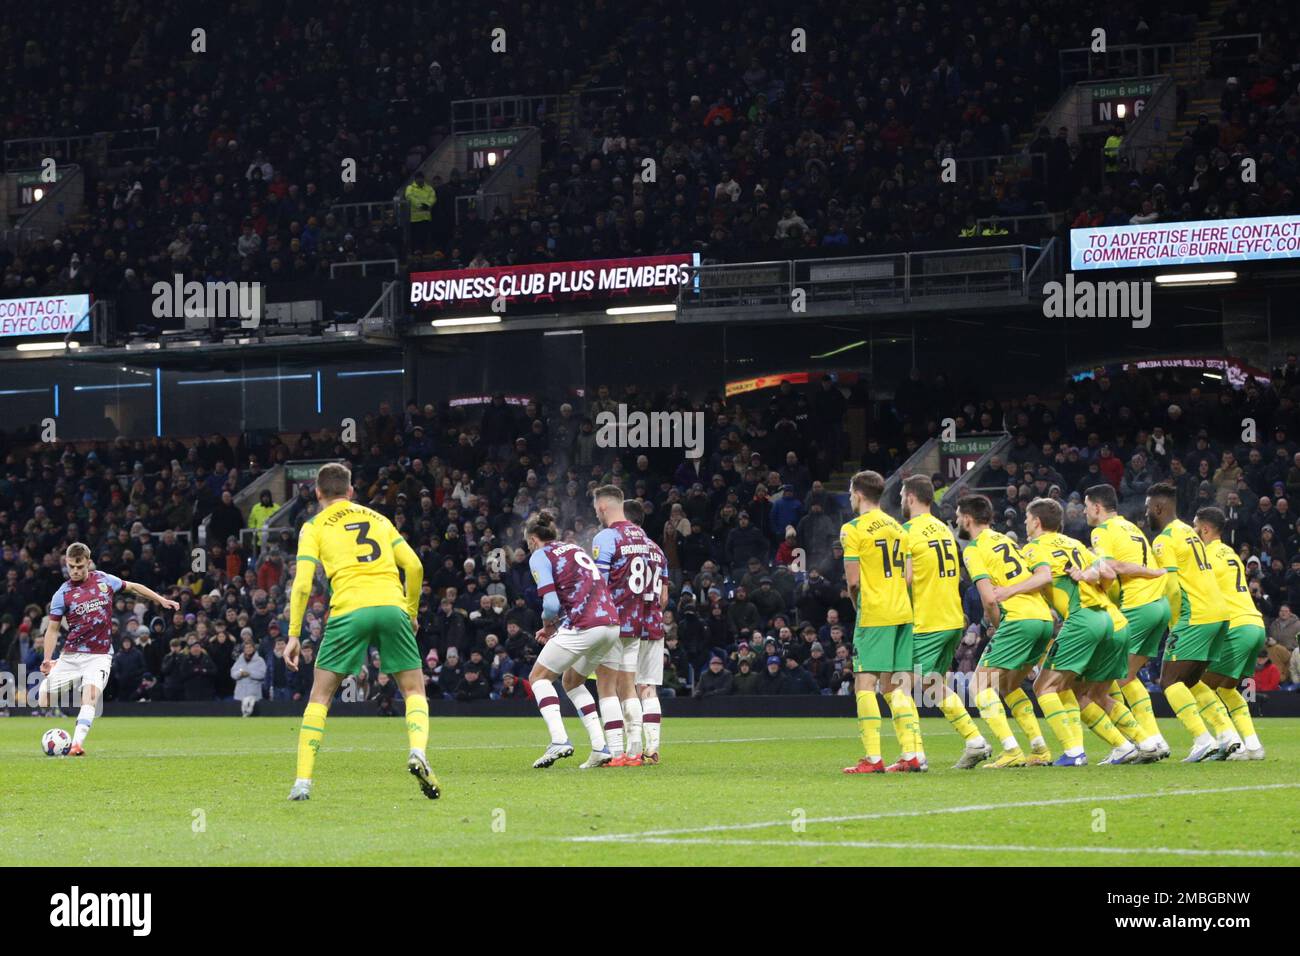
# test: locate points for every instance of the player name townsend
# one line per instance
(77, 909)
(624, 429)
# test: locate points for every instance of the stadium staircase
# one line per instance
(1189, 70)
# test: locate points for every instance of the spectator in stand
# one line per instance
(1267, 677)
(714, 682)
(248, 672)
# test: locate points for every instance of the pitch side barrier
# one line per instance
(1276, 704)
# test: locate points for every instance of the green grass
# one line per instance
(147, 783)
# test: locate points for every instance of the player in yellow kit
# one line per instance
(875, 571)
(360, 552)
(1245, 639)
(1020, 629)
(939, 621)
(1086, 644)
(1198, 621)
(1123, 547)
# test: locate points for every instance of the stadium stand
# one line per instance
(461, 486)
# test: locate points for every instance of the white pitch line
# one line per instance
(434, 749)
(935, 811)
(963, 847)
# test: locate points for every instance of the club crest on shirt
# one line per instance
(103, 588)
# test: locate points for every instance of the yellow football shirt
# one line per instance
(1061, 552)
(1179, 548)
(355, 548)
(994, 556)
(878, 544)
(936, 575)
(1231, 578)
(1119, 539)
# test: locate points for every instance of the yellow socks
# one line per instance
(1184, 706)
(869, 723)
(907, 722)
(1058, 718)
(959, 717)
(1022, 708)
(1071, 704)
(1212, 710)
(1099, 723)
(995, 716)
(1238, 710)
(1139, 701)
(309, 738)
(417, 721)
(1125, 722)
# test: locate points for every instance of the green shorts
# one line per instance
(1146, 626)
(933, 651)
(349, 637)
(1110, 662)
(883, 648)
(1236, 656)
(1078, 639)
(1196, 642)
(1016, 645)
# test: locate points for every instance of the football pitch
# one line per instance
(212, 791)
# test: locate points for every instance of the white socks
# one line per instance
(85, 717)
(611, 715)
(650, 723)
(549, 704)
(632, 724)
(586, 706)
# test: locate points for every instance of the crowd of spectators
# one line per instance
(764, 145)
(758, 600)
(1257, 122)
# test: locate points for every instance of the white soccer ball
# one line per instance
(56, 743)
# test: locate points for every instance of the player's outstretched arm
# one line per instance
(150, 594)
(1129, 569)
(1042, 577)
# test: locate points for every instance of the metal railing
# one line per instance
(1038, 225)
(1079, 64)
(381, 320)
(1149, 133)
(19, 238)
(1192, 61)
(393, 213)
(497, 112)
(109, 147)
(385, 267)
(861, 284)
(980, 168)
(485, 203)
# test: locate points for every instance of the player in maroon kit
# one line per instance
(86, 600)
(650, 653)
(622, 552)
(579, 630)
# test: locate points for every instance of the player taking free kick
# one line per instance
(360, 552)
(86, 601)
